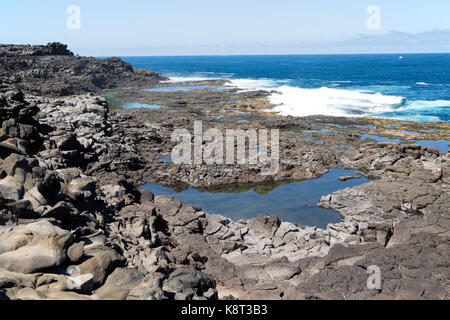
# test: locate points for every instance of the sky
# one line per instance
(201, 27)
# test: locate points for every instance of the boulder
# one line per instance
(119, 283)
(10, 279)
(81, 283)
(64, 295)
(11, 241)
(146, 195)
(62, 211)
(80, 189)
(102, 262)
(75, 252)
(6, 149)
(34, 257)
(167, 205)
(44, 228)
(186, 280)
(23, 209)
(11, 189)
(150, 288)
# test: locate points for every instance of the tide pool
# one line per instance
(291, 201)
(137, 105)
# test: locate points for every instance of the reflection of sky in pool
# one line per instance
(165, 159)
(379, 138)
(220, 116)
(441, 145)
(238, 111)
(137, 105)
(320, 130)
(294, 202)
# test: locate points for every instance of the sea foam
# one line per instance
(356, 101)
(256, 84)
(334, 102)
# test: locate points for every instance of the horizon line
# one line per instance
(265, 54)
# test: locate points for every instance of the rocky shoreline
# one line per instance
(74, 223)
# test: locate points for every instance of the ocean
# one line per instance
(406, 87)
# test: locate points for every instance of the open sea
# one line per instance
(407, 87)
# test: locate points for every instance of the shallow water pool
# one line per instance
(380, 138)
(138, 105)
(441, 145)
(294, 202)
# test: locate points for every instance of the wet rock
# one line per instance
(345, 178)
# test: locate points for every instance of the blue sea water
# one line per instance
(407, 87)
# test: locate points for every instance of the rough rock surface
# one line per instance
(74, 225)
(57, 223)
(53, 70)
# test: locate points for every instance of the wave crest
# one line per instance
(328, 101)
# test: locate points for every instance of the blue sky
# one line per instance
(166, 27)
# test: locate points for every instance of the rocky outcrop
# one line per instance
(52, 70)
(409, 180)
(51, 49)
(74, 224)
(55, 242)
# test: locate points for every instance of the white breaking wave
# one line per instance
(424, 105)
(256, 84)
(301, 102)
